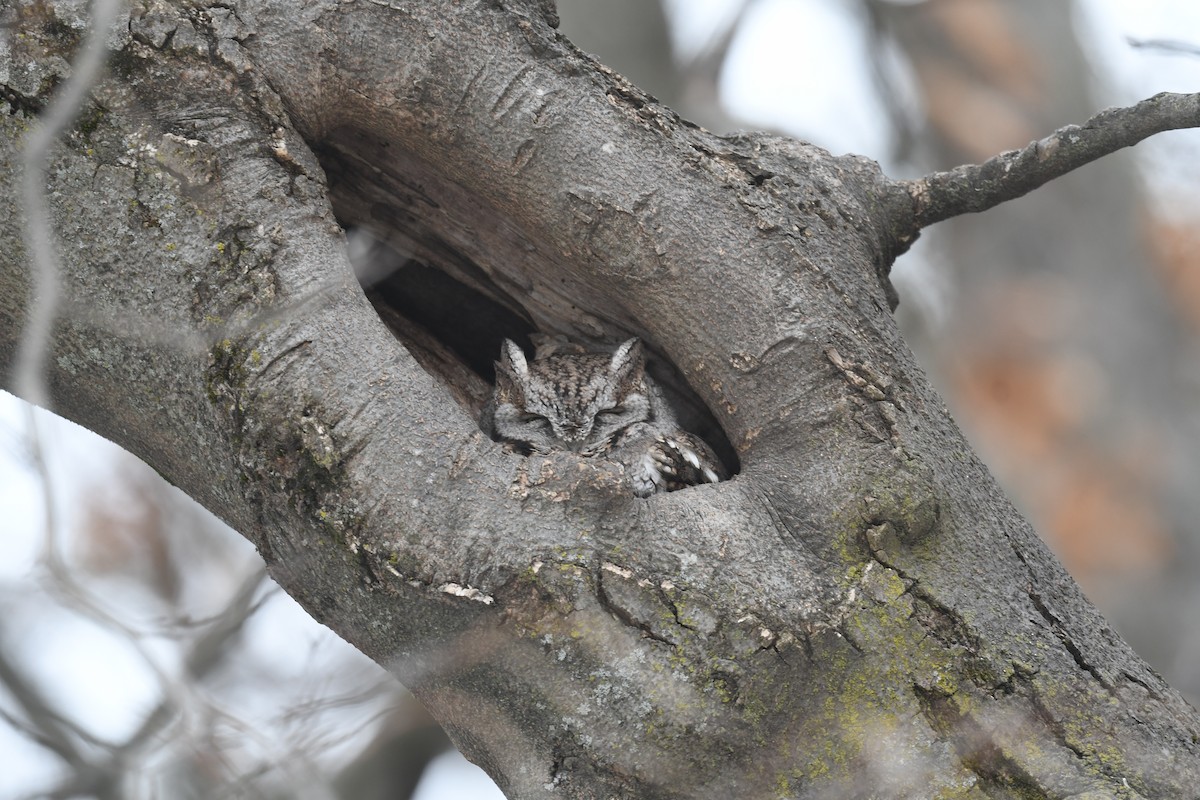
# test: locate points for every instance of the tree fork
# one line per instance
(858, 611)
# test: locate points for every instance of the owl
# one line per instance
(598, 405)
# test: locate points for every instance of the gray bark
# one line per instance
(858, 612)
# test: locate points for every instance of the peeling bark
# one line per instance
(858, 612)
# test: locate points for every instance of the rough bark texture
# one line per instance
(858, 612)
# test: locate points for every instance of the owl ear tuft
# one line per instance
(629, 361)
(512, 373)
(513, 357)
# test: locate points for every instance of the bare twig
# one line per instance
(978, 187)
(1165, 45)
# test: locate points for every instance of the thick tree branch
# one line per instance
(977, 187)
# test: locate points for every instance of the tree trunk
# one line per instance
(858, 612)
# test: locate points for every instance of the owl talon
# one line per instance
(648, 479)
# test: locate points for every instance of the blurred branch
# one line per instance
(1165, 45)
(205, 654)
(46, 302)
(978, 187)
(391, 768)
(710, 58)
(60, 580)
(181, 717)
(43, 304)
(887, 82)
(49, 729)
(41, 723)
(101, 776)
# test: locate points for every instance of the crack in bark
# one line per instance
(370, 577)
(1056, 624)
(1063, 636)
(806, 643)
(30, 106)
(842, 631)
(1052, 723)
(627, 617)
(671, 604)
(975, 748)
(954, 632)
(1061, 734)
(1150, 690)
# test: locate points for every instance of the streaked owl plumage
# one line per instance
(598, 405)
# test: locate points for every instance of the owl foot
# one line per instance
(669, 465)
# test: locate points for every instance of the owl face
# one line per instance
(577, 402)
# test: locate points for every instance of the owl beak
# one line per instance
(574, 435)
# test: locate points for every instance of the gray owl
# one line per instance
(597, 405)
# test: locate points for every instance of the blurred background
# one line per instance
(143, 653)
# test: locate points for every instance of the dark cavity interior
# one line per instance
(417, 242)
